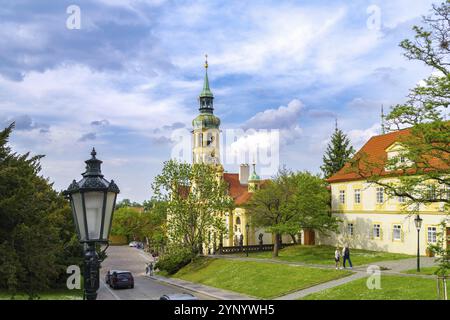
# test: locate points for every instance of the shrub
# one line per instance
(174, 259)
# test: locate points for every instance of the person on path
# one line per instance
(151, 268)
(346, 254)
(337, 258)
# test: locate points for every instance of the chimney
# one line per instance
(244, 172)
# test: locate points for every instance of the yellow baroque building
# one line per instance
(370, 219)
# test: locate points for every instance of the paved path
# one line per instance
(132, 259)
(217, 293)
(394, 267)
(323, 286)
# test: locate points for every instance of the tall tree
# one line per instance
(424, 177)
(195, 198)
(37, 235)
(338, 152)
(289, 203)
(423, 166)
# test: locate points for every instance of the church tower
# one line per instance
(206, 132)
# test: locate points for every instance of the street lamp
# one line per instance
(418, 221)
(92, 199)
(247, 228)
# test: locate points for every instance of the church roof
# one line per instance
(239, 192)
(206, 92)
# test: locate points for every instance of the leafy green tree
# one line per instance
(157, 233)
(37, 235)
(338, 152)
(423, 165)
(195, 198)
(128, 203)
(146, 223)
(289, 203)
(129, 222)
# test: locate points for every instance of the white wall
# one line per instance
(363, 227)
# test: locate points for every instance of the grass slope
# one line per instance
(259, 279)
(392, 288)
(325, 255)
(50, 295)
(427, 271)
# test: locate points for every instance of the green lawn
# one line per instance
(425, 271)
(259, 279)
(62, 294)
(392, 288)
(325, 255)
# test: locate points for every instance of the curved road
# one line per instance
(134, 260)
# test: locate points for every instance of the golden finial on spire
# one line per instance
(206, 61)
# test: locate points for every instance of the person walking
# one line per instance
(346, 255)
(150, 267)
(337, 258)
(147, 269)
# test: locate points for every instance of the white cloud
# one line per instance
(360, 137)
(283, 117)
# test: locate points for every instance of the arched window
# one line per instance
(209, 138)
(238, 220)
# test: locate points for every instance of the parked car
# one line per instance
(133, 244)
(119, 279)
(178, 296)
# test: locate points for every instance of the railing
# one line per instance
(253, 248)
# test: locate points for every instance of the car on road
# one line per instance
(119, 279)
(178, 296)
(133, 244)
(136, 244)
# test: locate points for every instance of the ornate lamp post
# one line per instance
(418, 221)
(93, 199)
(247, 228)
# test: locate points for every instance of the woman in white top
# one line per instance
(337, 257)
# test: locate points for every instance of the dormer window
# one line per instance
(396, 157)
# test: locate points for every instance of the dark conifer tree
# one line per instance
(338, 152)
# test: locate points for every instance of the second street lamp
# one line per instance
(247, 228)
(93, 199)
(418, 222)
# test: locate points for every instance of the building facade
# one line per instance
(373, 220)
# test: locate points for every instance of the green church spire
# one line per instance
(206, 97)
(206, 92)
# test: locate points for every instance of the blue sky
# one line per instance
(132, 74)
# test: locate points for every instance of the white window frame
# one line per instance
(350, 229)
(357, 196)
(432, 234)
(401, 199)
(342, 196)
(376, 229)
(432, 192)
(380, 195)
(397, 228)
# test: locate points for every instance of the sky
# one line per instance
(124, 75)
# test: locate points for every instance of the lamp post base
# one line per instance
(91, 272)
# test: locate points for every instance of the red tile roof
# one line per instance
(239, 192)
(375, 152)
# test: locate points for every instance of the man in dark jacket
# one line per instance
(346, 255)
